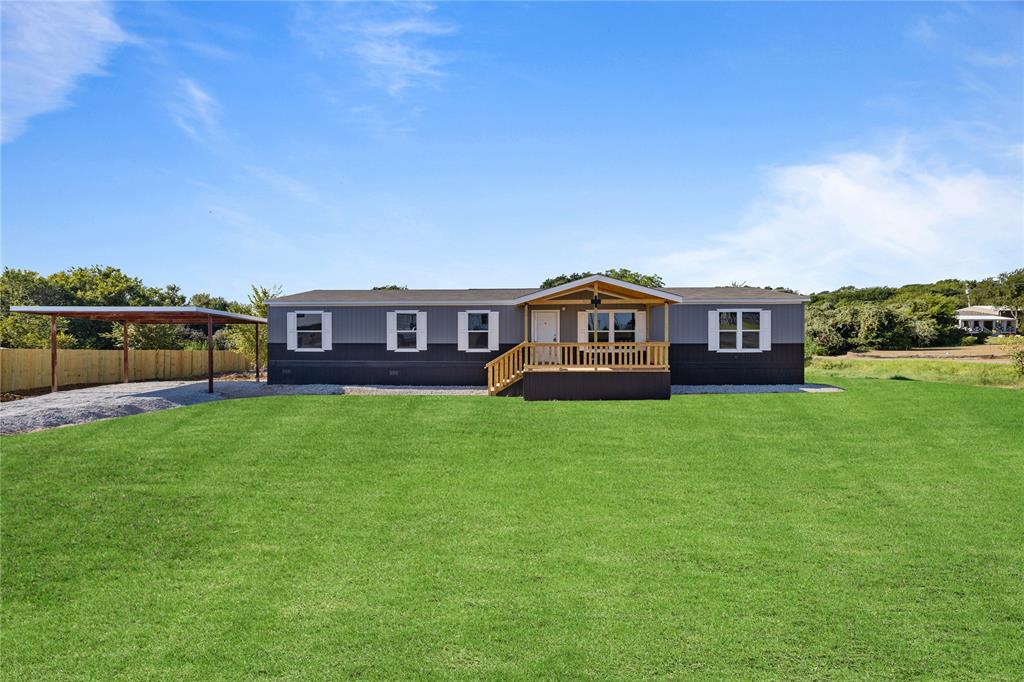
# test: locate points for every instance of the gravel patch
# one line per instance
(413, 390)
(755, 388)
(119, 400)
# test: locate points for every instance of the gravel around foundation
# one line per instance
(755, 388)
(119, 400)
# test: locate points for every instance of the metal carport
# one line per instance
(143, 315)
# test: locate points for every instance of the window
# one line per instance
(602, 335)
(612, 326)
(309, 330)
(625, 326)
(739, 331)
(406, 336)
(406, 330)
(478, 331)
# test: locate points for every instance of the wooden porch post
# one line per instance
(124, 355)
(526, 322)
(209, 354)
(257, 352)
(53, 353)
(666, 323)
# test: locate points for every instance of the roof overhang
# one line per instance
(978, 317)
(142, 314)
(600, 284)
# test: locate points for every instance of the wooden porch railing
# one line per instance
(509, 367)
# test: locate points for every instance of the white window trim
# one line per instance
(611, 323)
(399, 331)
(739, 329)
(298, 331)
(468, 332)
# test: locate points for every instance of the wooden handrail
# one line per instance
(508, 368)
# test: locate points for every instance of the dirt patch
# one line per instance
(983, 353)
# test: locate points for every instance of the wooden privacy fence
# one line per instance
(27, 368)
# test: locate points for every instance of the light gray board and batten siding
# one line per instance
(687, 323)
(367, 324)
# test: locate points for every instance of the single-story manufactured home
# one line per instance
(990, 319)
(593, 338)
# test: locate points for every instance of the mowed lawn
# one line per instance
(875, 533)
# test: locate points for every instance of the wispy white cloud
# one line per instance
(47, 49)
(864, 218)
(286, 185)
(923, 31)
(998, 60)
(390, 41)
(195, 111)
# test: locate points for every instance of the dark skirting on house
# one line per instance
(597, 385)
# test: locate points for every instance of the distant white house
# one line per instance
(987, 318)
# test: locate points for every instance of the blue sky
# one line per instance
(460, 144)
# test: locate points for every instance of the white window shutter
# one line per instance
(463, 337)
(581, 326)
(766, 330)
(392, 330)
(492, 331)
(712, 330)
(641, 325)
(421, 330)
(327, 335)
(293, 336)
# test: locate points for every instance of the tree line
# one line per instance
(838, 321)
(109, 286)
(911, 316)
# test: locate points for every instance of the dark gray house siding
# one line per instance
(691, 362)
(360, 356)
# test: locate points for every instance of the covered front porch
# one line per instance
(591, 337)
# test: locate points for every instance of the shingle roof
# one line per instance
(423, 296)
(406, 295)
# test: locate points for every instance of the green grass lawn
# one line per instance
(877, 532)
(917, 369)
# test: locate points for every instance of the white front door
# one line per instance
(544, 329)
(545, 326)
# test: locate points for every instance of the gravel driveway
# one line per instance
(118, 400)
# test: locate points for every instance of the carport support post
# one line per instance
(209, 354)
(53, 353)
(257, 352)
(124, 358)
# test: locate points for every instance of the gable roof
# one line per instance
(981, 310)
(509, 296)
(598, 279)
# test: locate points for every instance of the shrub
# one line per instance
(969, 341)
(1015, 349)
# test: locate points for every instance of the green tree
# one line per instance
(241, 337)
(623, 274)
(390, 287)
(25, 287)
(108, 286)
